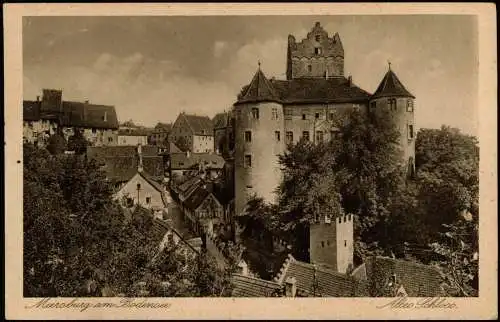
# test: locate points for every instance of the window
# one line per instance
(305, 135)
(277, 135)
(330, 116)
(373, 105)
(303, 116)
(318, 38)
(275, 113)
(316, 116)
(328, 243)
(138, 186)
(409, 106)
(309, 68)
(319, 136)
(322, 244)
(392, 104)
(110, 139)
(289, 137)
(255, 113)
(248, 161)
(410, 131)
(345, 243)
(288, 113)
(148, 200)
(334, 135)
(94, 130)
(248, 136)
(317, 51)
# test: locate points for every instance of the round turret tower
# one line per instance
(259, 140)
(392, 96)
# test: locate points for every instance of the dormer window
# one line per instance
(318, 38)
(317, 51)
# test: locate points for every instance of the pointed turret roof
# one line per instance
(259, 90)
(391, 86)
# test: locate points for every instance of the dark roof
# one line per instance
(172, 148)
(196, 198)
(189, 184)
(260, 89)
(31, 110)
(86, 115)
(201, 125)
(180, 161)
(246, 286)
(161, 227)
(320, 281)
(391, 86)
(418, 280)
(162, 127)
(220, 120)
(120, 162)
(134, 132)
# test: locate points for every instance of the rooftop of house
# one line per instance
(134, 132)
(200, 125)
(184, 161)
(73, 114)
(246, 286)
(196, 197)
(221, 120)
(302, 90)
(320, 281)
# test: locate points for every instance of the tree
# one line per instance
(56, 144)
(78, 143)
(182, 144)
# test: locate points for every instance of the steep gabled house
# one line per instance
(193, 133)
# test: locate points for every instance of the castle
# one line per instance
(309, 104)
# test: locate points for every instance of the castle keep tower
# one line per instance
(259, 139)
(315, 56)
(331, 242)
(392, 96)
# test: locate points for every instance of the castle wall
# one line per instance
(403, 119)
(345, 242)
(264, 174)
(330, 117)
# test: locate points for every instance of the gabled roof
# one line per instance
(200, 125)
(320, 281)
(172, 148)
(246, 286)
(391, 86)
(31, 110)
(134, 132)
(418, 280)
(196, 198)
(220, 120)
(260, 89)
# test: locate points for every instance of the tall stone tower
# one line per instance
(315, 56)
(331, 242)
(392, 96)
(259, 139)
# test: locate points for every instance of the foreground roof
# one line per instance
(391, 86)
(246, 286)
(320, 281)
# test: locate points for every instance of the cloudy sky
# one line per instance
(152, 68)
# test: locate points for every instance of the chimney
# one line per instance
(105, 116)
(290, 287)
(38, 98)
(139, 153)
(243, 268)
(349, 80)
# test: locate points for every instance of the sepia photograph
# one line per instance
(250, 156)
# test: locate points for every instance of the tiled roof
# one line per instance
(319, 90)
(180, 161)
(134, 132)
(172, 148)
(320, 281)
(86, 115)
(260, 89)
(391, 86)
(193, 182)
(161, 227)
(201, 125)
(419, 280)
(246, 286)
(31, 110)
(196, 198)
(120, 162)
